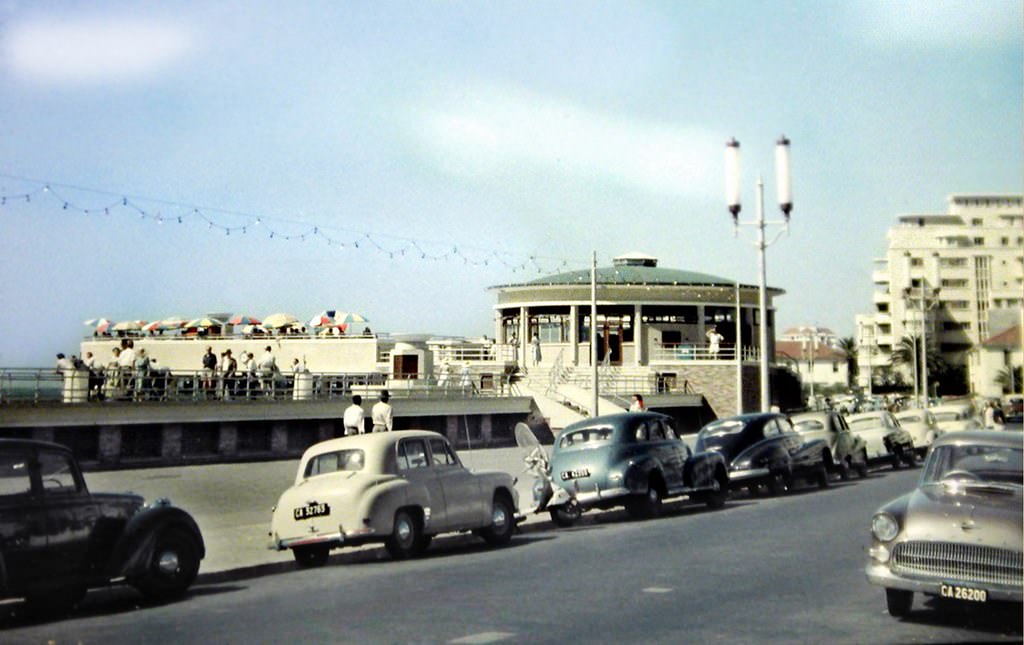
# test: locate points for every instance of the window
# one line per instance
(14, 478)
(979, 241)
(954, 283)
(952, 325)
(953, 262)
(1005, 241)
(975, 221)
(883, 307)
(332, 462)
(57, 473)
(957, 304)
(655, 431)
(441, 453)
(412, 454)
(916, 262)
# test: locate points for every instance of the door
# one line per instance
(71, 515)
(467, 506)
(609, 343)
(414, 466)
(22, 519)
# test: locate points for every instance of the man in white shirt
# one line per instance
(354, 418)
(382, 414)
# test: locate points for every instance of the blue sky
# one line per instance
(473, 136)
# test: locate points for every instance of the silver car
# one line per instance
(960, 533)
(922, 426)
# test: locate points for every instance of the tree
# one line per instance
(1011, 384)
(848, 346)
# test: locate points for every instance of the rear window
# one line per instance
(726, 426)
(585, 438)
(863, 424)
(810, 425)
(332, 462)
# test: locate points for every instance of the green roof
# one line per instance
(625, 275)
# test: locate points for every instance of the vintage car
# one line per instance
(922, 426)
(401, 488)
(886, 440)
(849, 451)
(632, 459)
(57, 539)
(762, 449)
(957, 417)
(959, 533)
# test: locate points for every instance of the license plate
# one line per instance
(316, 509)
(969, 594)
(575, 474)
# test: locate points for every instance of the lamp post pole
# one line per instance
(732, 187)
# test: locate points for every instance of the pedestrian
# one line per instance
(65, 366)
(268, 370)
(382, 414)
(141, 366)
(466, 379)
(637, 403)
(95, 376)
(252, 375)
(228, 366)
(354, 419)
(535, 348)
(209, 367)
(714, 340)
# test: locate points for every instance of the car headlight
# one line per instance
(884, 527)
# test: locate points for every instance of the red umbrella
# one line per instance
(241, 319)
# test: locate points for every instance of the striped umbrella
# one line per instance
(241, 319)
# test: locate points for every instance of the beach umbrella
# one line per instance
(174, 322)
(254, 329)
(204, 322)
(127, 325)
(153, 326)
(241, 319)
(323, 319)
(97, 323)
(350, 317)
(276, 321)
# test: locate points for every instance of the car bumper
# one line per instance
(747, 474)
(331, 540)
(880, 574)
(596, 496)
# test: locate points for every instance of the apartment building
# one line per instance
(957, 278)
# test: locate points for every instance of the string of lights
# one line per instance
(229, 222)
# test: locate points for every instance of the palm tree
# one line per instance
(848, 346)
(905, 353)
(1011, 383)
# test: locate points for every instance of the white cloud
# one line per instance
(94, 50)
(942, 23)
(490, 131)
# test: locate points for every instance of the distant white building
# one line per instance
(820, 363)
(957, 277)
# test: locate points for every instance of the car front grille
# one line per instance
(968, 562)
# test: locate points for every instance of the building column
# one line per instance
(574, 333)
(524, 330)
(639, 342)
(700, 325)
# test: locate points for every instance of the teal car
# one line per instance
(636, 460)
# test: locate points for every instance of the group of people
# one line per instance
(382, 415)
(226, 377)
(129, 373)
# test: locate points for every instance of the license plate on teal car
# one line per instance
(958, 592)
(575, 474)
(314, 509)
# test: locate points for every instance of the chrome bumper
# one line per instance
(601, 495)
(880, 574)
(748, 474)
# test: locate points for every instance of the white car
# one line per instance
(886, 440)
(922, 427)
(400, 488)
(956, 417)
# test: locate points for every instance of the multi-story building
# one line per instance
(957, 278)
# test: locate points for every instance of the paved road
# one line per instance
(762, 570)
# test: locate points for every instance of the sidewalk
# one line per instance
(232, 502)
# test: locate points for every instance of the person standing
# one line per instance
(209, 367)
(637, 404)
(535, 348)
(354, 419)
(228, 366)
(714, 341)
(382, 414)
(268, 368)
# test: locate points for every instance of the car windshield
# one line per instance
(586, 437)
(975, 463)
(332, 462)
(864, 423)
(946, 416)
(723, 427)
(810, 425)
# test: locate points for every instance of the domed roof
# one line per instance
(633, 274)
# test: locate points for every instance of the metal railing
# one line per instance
(128, 385)
(701, 352)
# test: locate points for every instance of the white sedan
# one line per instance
(956, 417)
(922, 426)
(400, 488)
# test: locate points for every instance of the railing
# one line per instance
(128, 385)
(701, 352)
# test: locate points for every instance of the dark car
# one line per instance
(849, 451)
(57, 539)
(762, 449)
(959, 534)
(633, 459)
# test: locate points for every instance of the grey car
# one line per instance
(960, 533)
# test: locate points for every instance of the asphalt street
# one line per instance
(762, 570)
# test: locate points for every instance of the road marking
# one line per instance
(484, 637)
(658, 590)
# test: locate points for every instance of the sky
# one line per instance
(397, 159)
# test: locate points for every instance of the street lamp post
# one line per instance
(732, 187)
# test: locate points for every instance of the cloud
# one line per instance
(90, 51)
(940, 23)
(491, 131)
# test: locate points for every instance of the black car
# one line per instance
(763, 450)
(57, 539)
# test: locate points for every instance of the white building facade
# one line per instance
(955, 278)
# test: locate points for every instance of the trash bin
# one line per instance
(76, 386)
(303, 389)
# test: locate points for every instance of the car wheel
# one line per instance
(862, 467)
(778, 484)
(565, 515)
(898, 602)
(897, 457)
(172, 567)
(646, 506)
(311, 556)
(717, 496)
(503, 522)
(910, 457)
(406, 539)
